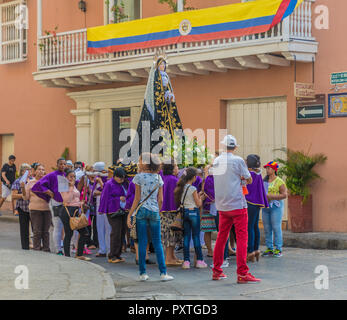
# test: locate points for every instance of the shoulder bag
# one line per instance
(77, 221)
(177, 225)
(133, 231)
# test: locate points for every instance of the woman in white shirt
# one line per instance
(187, 194)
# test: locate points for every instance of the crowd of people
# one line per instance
(226, 197)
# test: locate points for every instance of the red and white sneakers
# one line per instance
(247, 278)
(220, 276)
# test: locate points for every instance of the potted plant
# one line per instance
(298, 170)
(118, 12)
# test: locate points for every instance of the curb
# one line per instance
(109, 292)
(11, 219)
(311, 240)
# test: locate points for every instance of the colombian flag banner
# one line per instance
(234, 20)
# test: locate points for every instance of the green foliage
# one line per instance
(173, 5)
(118, 11)
(64, 155)
(298, 171)
(187, 152)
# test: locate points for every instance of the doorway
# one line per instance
(121, 119)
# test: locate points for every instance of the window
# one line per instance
(13, 31)
(123, 10)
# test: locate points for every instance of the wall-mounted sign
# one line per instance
(337, 105)
(338, 77)
(311, 110)
(304, 90)
(124, 122)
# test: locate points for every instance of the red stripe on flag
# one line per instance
(280, 12)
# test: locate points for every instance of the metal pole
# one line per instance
(180, 5)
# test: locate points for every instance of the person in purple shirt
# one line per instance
(47, 189)
(113, 200)
(256, 199)
(208, 224)
(168, 214)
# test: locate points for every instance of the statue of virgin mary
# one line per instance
(159, 110)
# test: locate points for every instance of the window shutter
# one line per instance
(13, 32)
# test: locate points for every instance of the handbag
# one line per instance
(77, 222)
(57, 210)
(177, 225)
(133, 231)
(117, 214)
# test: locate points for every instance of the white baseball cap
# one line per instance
(230, 141)
(69, 163)
(99, 166)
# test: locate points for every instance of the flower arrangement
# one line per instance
(118, 11)
(173, 5)
(187, 152)
(54, 40)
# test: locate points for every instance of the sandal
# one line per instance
(174, 264)
(115, 260)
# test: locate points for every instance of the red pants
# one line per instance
(227, 219)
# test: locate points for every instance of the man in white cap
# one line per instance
(102, 225)
(230, 172)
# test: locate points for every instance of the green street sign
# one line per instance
(338, 77)
(310, 112)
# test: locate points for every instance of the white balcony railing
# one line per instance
(70, 48)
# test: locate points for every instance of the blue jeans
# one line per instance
(149, 218)
(272, 221)
(191, 224)
(253, 228)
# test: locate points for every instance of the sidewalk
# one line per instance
(52, 277)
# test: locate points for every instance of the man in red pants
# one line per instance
(230, 177)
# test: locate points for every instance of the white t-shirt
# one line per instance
(227, 172)
(189, 202)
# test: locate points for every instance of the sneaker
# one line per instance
(86, 251)
(224, 265)
(277, 253)
(247, 278)
(60, 253)
(200, 264)
(221, 276)
(186, 265)
(166, 277)
(267, 253)
(143, 277)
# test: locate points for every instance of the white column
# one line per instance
(83, 134)
(180, 5)
(105, 136)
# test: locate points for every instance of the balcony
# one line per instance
(63, 60)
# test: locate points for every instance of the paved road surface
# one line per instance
(290, 277)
